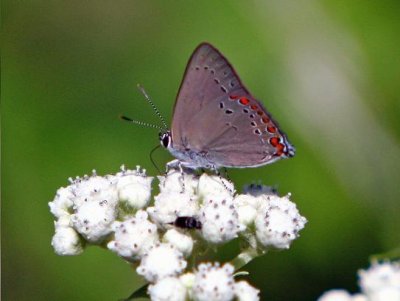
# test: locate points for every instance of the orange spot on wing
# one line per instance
(274, 141)
(279, 149)
(271, 129)
(265, 119)
(244, 101)
(254, 107)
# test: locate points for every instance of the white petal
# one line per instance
(245, 292)
(167, 289)
(177, 182)
(182, 242)
(162, 260)
(134, 236)
(134, 187)
(335, 295)
(62, 203)
(211, 186)
(247, 208)
(213, 282)
(381, 279)
(278, 222)
(169, 205)
(219, 218)
(93, 220)
(66, 241)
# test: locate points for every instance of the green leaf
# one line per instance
(138, 294)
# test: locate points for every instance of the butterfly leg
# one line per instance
(182, 177)
(227, 175)
(177, 165)
(222, 179)
(170, 165)
(174, 164)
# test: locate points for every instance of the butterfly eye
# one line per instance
(165, 139)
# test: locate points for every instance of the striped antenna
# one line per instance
(141, 123)
(141, 89)
(163, 129)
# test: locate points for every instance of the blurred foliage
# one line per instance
(329, 71)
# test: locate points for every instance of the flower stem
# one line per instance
(244, 258)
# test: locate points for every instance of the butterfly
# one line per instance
(217, 122)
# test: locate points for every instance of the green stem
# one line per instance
(244, 258)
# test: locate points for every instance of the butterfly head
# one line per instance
(165, 139)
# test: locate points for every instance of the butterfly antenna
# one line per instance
(141, 89)
(152, 160)
(141, 123)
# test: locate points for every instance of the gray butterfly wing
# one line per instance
(215, 115)
(244, 136)
(208, 76)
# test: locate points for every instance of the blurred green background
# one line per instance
(329, 71)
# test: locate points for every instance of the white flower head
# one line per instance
(336, 295)
(63, 202)
(278, 222)
(213, 282)
(211, 186)
(162, 260)
(134, 187)
(169, 205)
(188, 280)
(93, 219)
(134, 236)
(176, 181)
(182, 242)
(245, 292)
(87, 206)
(66, 240)
(360, 297)
(248, 203)
(167, 289)
(114, 209)
(246, 206)
(381, 281)
(219, 219)
(94, 189)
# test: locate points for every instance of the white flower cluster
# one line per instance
(87, 210)
(274, 220)
(115, 211)
(381, 282)
(208, 282)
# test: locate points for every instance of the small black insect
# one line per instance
(187, 222)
